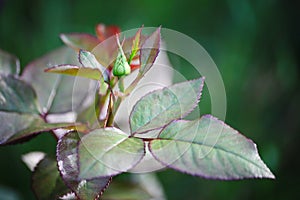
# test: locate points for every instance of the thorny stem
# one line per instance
(102, 100)
(115, 104)
(114, 107)
(120, 98)
(108, 113)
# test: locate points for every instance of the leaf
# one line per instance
(58, 93)
(9, 64)
(46, 182)
(107, 152)
(135, 187)
(74, 70)
(19, 113)
(162, 106)
(148, 163)
(17, 96)
(131, 47)
(17, 127)
(88, 60)
(149, 134)
(79, 41)
(106, 52)
(67, 164)
(135, 45)
(209, 148)
(149, 51)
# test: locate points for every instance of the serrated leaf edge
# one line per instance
(271, 175)
(114, 174)
(199, 94)
(100, 193)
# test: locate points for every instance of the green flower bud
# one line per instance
(121, 66)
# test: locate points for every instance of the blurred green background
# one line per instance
(255, 45)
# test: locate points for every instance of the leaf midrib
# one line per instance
(101, 156)
(213, 147)
(167, 108)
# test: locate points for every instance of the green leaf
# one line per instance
(107, 152)
(79, 41)
(132, 45)
(162, 106)
(149, 51)
(74, 70)
(88, 60)
(17, 96)
(67, 160)
(9, 64)
(46, 181)
(90, 68)
(107, 51)
(17, 127)
(135, 45)
(58, 93)
(19, 113)
(208, 148)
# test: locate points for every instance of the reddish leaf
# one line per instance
(149, 51)
(79, 41)
(103, 32)
(67, 160)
